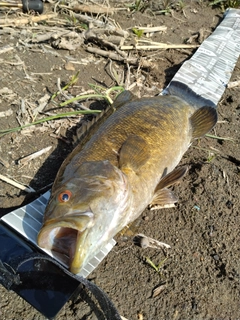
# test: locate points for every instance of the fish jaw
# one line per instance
(80, 238)
(63, 235)
(79, 257)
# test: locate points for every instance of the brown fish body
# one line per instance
(145, 139)
(163, 122)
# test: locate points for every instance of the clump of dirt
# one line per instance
(201, 271)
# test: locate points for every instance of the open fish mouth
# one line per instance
(67, 237)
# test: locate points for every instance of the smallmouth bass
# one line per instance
(121, 166)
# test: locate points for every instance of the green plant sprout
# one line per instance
(218, 138)
(180, 5)
(138, 32)
(54, 117)
(138, 5)
(101, 93)
(210, 157)
(72, 81)
(224, 4)
(158, 267)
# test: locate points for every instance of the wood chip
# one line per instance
(233, 84)
(140, 316)
(149, 242)
(42, 102)
(158, 290)
(69, 66)
(6, 48)
(5, 90)
(6, 113)
(152, 29)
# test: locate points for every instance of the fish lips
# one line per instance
(67, 236)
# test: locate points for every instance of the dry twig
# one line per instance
(117, 57)
(156, 45)
(6, 22)
(100, 24)
(16, 184)
(6, 48)
(34, 155)
(146, 242)
(91, 8)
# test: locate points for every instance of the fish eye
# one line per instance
(65, 196)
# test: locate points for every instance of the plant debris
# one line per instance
(146, 242)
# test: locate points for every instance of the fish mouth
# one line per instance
(67, 237)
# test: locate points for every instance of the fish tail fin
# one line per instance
(202, 121)
(181, 90)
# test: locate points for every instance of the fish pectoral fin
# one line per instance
(202, 121)
(163, 198)
(134, 153)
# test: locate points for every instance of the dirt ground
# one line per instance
(200, 274)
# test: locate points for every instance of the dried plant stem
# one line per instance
(5, 22)
(57, 116)
(158, 46)
(16, 184)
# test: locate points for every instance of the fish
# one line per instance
(122, 164)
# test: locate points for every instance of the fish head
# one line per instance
(85, 212)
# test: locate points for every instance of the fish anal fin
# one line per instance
(202, 121)
(134, 153)
(172, 178)
(163, 198)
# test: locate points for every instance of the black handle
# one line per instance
(32, 5)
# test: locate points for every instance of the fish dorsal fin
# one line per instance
(164, 197)
(134, 153)
(124, 97)
(88, 128)
(202, 121)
